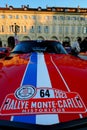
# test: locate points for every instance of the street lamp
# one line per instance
(15, 30)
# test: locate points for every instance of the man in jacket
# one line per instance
(76, 46)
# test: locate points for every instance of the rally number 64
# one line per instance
(44, 93)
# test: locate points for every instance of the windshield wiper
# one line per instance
(18, 52)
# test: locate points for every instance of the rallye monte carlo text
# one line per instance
(42, 86)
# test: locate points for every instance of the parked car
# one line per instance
(4, 51)
(43, 87)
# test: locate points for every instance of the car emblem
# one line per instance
(25, 92)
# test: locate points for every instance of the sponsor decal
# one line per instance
(30, 100)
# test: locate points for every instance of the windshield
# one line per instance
(39, 46)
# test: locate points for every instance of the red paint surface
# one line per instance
(73, 70)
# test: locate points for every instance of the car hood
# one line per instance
(42, 88)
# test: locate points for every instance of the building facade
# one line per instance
(54, 23)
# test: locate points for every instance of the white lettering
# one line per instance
(49, 104)
(70, 103)
(6, 104)
(15, 104)
(60, 94)
(60, 105)
(65, 105)
(78, 101)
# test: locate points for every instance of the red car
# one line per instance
(43, 87)
(4, 51)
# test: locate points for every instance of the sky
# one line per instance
(44, 3)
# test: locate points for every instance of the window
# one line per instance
(2, 16)
(46, 29)
(32, 29)
(73, 18)
(62, 18)
(82, 18)
(53, 9)
(85, 30)
(73, 29)
(60, 29)
(25, 16)
(54, 18)
(33, 17)
(10, 16)
(17, 17)
(39, 29)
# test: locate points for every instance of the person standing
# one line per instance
(67, 46)
(76, 46)
(83, 45)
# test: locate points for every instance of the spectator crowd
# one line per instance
(76, 47)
